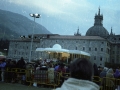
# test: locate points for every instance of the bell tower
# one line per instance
(98, 19)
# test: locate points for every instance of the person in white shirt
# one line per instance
(81, 71)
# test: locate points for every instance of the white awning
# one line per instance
(58, 48)
(40, 49)
(79, 52)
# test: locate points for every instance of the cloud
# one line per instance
(62, 8)
(77, 12)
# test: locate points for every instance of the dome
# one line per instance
(58, 46)
(97, 30)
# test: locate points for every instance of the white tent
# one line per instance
(64, 52)
(55, 48)
(40, 49)
(78, 52)
(58, 48)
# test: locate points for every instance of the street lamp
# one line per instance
(34, 16)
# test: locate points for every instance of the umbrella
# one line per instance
(2, 57)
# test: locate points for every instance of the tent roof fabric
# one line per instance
(40, 49)
(58, 48)
(79, 52)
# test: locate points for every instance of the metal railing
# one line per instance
(45, 78)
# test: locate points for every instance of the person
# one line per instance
(56, 67)
(2, 66)
(96, 72)
(21, 65)
(117, 77)
(103, 76)
(110, 73)
(110, 85)
(81, 71)
(61, 70)
(51, 73)
(117, 73)
(103, 73)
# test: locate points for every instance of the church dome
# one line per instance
(97, 31)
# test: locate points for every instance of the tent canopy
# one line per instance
(58, 48)
(2, 57)
(79, 52)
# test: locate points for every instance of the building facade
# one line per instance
(102, 46)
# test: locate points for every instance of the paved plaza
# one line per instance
(11, 86)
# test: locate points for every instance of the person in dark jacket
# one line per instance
(21, 65)
(96, 72)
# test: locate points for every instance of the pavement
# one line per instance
(17, 86)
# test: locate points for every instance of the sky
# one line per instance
(64, 17)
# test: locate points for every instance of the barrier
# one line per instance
(43, 77)
(110, 83)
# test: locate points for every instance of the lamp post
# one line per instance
(34, 16)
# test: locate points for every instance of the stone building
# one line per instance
(102, 46)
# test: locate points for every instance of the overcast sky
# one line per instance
(65, 16)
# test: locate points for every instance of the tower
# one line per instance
(98, 19)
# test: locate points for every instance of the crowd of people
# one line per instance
(81, 72)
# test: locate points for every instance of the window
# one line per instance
(100, 58)
(102, 42)
(107, 44)
(94, 57)
(15, 52)
(76, 48)
(83, 48)
(101, 49)
(95, 49)
(89, 48)
(15, 45)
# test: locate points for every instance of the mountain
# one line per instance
(13, 25)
